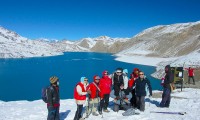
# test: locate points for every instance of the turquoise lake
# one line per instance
(23, 79)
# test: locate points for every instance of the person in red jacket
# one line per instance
(105, 86)
(190, 74)
(94, 96)
(134, 76)
(80, 96)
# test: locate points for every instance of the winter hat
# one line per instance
(135, 69)
(125, 71)
(53, 79)
(105, 72)
(82, 79)
(96, 77)
(119, 70)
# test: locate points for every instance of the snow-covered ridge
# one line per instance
(175, 44)
(15, 46)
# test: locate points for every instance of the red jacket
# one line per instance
(105, 85)
(94, 90)
(76, 95)
(132, 80)
(190, 72)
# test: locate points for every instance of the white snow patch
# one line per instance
(36, 110)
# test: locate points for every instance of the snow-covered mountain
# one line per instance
(13, 45)
(175, 44)
(103, 44)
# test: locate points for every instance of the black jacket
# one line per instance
(140, 86)
(118, 80)
(53, 95)
(168, 77)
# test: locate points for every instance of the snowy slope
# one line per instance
(13, 45)
(186, 101)
(175, 44)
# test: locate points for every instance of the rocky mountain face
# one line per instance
(166, 41)
(178, 41)
(103, 44)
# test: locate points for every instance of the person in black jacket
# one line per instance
(166, 96)
(140, 85)
(53, 103)
(117, 80)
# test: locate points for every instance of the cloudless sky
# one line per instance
(76, 19)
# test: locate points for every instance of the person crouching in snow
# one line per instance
(80, 96)
(105, 86)
(94, 96)
(140, 86)
(53, 103)
(121, 103)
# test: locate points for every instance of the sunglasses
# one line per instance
(97, 79)
(85, 80)
(141, 74)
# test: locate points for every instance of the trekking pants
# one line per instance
(133, 99)
(53, 113)
(140, 102)
(78, 112)
(116, 90)
(93, 104)
(192, 79)
(104, 102)
(166, 98)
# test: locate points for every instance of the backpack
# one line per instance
(130, 111)
(44, 93)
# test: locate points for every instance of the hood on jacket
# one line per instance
(96, 77)
(125, 71)
(105, 71)
(82, 79)
(167, 69)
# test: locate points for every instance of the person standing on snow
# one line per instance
(134, 76)
(190, 74)
(117, 80)
(80, 93)
(94, 96)
(140, 85)
(166, 96)
(53, 103)
(105, 86)
(126, 79)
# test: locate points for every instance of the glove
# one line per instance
(88, 91)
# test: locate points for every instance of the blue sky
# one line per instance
(76, 19)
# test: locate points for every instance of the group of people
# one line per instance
(98, 92)
(95, 96)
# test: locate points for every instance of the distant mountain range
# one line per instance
(180, 41)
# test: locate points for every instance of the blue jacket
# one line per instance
(140, 87)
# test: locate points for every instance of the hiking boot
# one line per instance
(81, 119)
(100, 113)
(95, 114)
(126, 100)
(106, 110)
